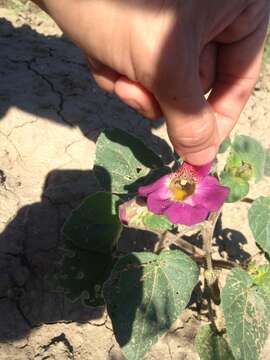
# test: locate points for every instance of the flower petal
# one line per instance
(180, 213)
(122, 214)
(210, 194)
(160, 185)
(157, 205)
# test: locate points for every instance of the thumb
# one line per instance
(191, 122)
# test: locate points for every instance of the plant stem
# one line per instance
(210, 278)
(220, 264)
(167, 238)
(212, 316)
(207, 235)
(193, 250)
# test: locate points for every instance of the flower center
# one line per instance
(181, 188)
(244, 171)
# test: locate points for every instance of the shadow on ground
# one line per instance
(29, 252)
(229, 243)
(31, 249)
(46, 76)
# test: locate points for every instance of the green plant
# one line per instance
(145, 292)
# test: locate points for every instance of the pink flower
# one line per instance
(185, 196)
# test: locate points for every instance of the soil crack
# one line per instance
(13, 145)
(30, 66)
(19, 309)
(21, 126)
(57, 339)
(3, 177)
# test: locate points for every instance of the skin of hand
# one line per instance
(162, 56)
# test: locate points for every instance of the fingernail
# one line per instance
(134, 104)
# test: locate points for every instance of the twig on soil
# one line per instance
(247, 200)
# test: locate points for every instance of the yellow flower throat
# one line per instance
(181, 188)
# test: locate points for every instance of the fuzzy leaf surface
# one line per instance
(224, 146)
(246, 308)
(261, 277)
(212, 347)
(267, 163)
(259, 222)
(95, 225)
(239, 187)
(123, 161)
(145, 294)
(82, 274)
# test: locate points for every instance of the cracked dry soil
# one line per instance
(50, 116)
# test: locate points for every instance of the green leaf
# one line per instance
(259, 222)
(251, 152)
(82, 274)
(267, 163)
(261, 276)
(247, 314)
(145, 294)
(156, 222)
(135, 214)
(210, 346)
(224, 146)
(123, 161)
(91, 233)
(239, 187)
(95, 224)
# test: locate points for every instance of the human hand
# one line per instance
(162, 56)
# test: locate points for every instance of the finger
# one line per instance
(136, 96)
(244, 24)
(207, 67)
(104, 76)
(238, 69)
(132, 93)
(190, 121)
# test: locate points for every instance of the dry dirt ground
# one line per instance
(50, 116)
